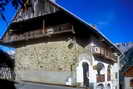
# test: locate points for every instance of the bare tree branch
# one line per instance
(25, 4)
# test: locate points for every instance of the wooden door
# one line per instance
(86, 74)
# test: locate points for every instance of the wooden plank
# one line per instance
(38, 8)
(63, 28)
(103, 53)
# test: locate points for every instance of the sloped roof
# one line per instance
(87, 24)
(96, 31)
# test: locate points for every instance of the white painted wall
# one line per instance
(115, 70)
(104, 71)
(92, 73)
(79, 69)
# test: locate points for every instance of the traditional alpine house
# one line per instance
(54, 46)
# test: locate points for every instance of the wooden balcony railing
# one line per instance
(103, 52)
(10, 37)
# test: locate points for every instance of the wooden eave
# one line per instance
(90, 27)
(45, 39)
(50, 20)
(99, 57)
(104, 57)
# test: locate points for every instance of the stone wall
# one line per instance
(45, 58)
(51, 56)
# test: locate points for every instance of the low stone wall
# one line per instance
(45, 76)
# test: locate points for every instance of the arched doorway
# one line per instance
(85, 74)
(82, 70)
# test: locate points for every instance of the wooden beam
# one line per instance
(59, 29)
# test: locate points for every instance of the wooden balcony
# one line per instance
(104, 53)
(63, 28)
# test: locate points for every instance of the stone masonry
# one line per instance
(51, 56)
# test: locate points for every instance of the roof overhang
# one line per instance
(84, 23)
(107, 41)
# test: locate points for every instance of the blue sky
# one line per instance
(9, 14)
(114, 18)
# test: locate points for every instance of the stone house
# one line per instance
(54, 46)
